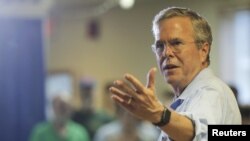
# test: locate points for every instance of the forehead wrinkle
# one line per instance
(177, 27)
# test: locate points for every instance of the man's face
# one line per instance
(61, 109)
(179, 66)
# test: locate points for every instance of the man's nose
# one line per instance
(167, 52)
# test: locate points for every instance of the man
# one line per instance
(60, 128)
(87, 115)
(182, 45)
(126, 128)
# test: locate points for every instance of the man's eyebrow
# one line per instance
(160, 40)
(170, 40)
(175, 39)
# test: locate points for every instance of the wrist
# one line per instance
(165, 117)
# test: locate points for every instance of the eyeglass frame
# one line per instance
(174, 45)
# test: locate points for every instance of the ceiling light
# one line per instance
(126, 4)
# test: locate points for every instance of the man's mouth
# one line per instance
(170, 66)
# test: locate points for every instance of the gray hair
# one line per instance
(202, 30)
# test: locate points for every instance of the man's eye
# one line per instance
(160, 45)
(175, 43)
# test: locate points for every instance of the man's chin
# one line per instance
(170, 80)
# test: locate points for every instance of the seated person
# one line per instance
(60, 128)
(126, 128)
(87, 115)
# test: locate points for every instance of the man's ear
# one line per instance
(204, 52)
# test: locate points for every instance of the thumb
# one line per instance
(151, 78)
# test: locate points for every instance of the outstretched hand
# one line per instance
(138, 99)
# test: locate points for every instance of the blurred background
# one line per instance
(48, 46)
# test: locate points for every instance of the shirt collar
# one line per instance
(202, 75)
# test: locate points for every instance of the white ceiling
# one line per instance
(41, 7)
(78, 2)
(85, 3)
(87, 8)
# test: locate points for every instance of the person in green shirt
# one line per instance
(60, 128)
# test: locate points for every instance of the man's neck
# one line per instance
(178, 89)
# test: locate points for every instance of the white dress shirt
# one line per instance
(207, 100)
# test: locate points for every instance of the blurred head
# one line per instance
(128, 122)
(87, 89)
(87, 86)
(182, 44)
(61, 108)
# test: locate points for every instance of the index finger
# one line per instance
(135, 82)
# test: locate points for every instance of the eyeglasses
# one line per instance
(175, 45)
